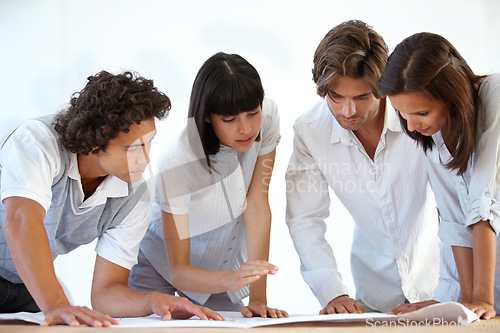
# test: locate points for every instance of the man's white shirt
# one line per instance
(395, 251)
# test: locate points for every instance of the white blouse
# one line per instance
(484, 185)
(214, 200)
(466, 199)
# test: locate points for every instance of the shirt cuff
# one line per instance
(328, 288)
(26, 194)
(485, 209)
(269, 148)
(173, 210)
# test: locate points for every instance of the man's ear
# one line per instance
(95, 151)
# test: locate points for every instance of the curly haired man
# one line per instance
(68, 179)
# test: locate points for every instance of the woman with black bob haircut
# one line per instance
(209, 232)
(226, 85)
(455, 116)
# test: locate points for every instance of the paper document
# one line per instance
(447, 312)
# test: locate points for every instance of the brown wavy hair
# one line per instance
(428, 63)
(107, 105)
(351, 49)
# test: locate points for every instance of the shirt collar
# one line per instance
(443, 153)
(340, 134)
(391, 120)
(111, 186)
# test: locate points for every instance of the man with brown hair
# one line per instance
(352, 142)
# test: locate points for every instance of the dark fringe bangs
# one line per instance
(236, 95)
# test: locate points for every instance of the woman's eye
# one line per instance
(228, 120)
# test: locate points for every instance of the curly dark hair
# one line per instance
(107, 105)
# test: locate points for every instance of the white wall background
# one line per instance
(49, 47)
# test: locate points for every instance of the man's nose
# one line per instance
(349, 108)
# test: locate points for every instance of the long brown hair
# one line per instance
(428, 63)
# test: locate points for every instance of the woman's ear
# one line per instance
(207, 119)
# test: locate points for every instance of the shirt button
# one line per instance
(234, 238)
(241, 207)
(225, 261)
(230, 249)
(241, 191)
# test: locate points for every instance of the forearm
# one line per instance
(258, 232)
(484, 253)
(30, 251)
(257, 214)
(258, 291)
(183, 275)
(119, 300)
(258, 241)
(197, 280)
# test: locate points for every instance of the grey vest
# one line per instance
(68, 226)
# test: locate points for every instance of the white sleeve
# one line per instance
(172, 186)
(120, 244)
(451, 202)
(308, 203)
(485, 180)
(270, 130)
(29, 160)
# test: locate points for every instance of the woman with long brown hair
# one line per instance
(455, 116)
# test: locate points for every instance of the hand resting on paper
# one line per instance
(410, 307)
(343, 304)
(168, 307)
(258, 308)
(482, 309)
